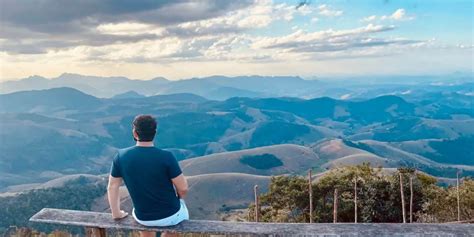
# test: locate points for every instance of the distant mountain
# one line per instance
(30, 83)
(110, 86)
(133, 97)
(43, 101)
(75, 132)
(97, 86)
(269, 85)
(223, 93)
(416, 128)
(222, 87)
(215, 87)
(387, 107)
(128, 95)
(179, 97)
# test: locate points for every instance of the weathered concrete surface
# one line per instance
(104, 220)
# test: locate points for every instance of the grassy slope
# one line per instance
(295, 159)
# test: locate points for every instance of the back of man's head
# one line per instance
(145, 127)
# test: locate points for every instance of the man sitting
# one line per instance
(153, 178)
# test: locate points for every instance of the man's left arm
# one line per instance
(113, 194)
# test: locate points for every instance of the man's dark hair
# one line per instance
(145, 126)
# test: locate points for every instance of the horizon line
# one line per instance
(305, 77)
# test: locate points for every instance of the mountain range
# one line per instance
(49, 135)
(223, 87)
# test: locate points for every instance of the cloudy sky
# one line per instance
(142, 39)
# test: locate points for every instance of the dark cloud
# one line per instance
(39, 25)
(57, 16)
(39, 46)
(187, 11)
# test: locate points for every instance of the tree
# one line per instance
(378, 197)
(440, 204)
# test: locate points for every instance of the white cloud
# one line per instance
(325, 10)
(330, 36)
(220, 38)
(305, 10)
(370, 18)
(224, 40)
(326, 44)
(397, 15)
(128, 28)
(284, 11)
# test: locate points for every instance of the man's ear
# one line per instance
(135, 135)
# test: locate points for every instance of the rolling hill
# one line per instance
(68, 131)
(210, 195)
(45, 101)
(284, 159)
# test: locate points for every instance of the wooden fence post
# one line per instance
(457, 196)
(402, 197)
(257, 206)
(335, 206)
(411, 199)
(355, 200)
(95, 232)
(310, 187)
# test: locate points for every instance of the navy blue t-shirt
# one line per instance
(147, 173)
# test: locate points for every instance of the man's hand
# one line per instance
(120, 215)
(114, 197)
(181, 185)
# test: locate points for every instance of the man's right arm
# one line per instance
(181, 185)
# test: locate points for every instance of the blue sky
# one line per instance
(449, 21)
(143, 39)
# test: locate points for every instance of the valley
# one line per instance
(54, 136)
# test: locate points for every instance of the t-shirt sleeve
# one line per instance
(115, 169)
(173, 168)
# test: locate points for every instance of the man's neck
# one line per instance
(148, 144)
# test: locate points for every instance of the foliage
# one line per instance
(379, 198)
(272, 133)
(440, 204)
(262, 162)
(77, 194)
(446, 149)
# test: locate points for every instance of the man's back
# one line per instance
(147, 173)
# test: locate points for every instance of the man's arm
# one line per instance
(181, 185)
(114, 197)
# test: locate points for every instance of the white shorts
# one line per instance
(174, 219)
